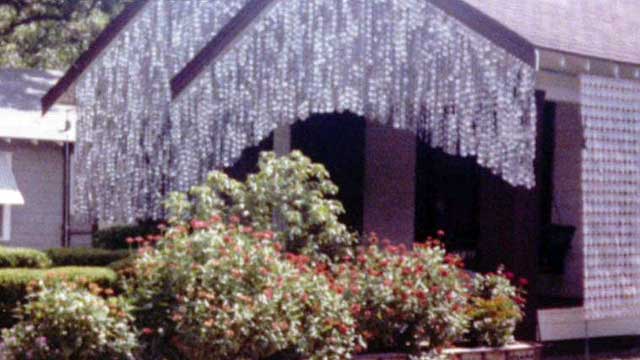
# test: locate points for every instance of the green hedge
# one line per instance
(14, 282)
(85, 256)
(115, 237)
(23, 258)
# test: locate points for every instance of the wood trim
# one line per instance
(489, 28)
(95, 49)
(219, 44)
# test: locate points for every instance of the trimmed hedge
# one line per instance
(14, 283)
(11, 257)
(115, 237)
(85, 256)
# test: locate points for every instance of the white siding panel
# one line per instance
(38, 170)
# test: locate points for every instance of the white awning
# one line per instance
(9, 193)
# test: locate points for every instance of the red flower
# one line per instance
(344, 329)
(147, 331)
(277, 246)
(355, 309)
(440, 233)
(215, 219)
(451, 296)
(269, 293)
(509, 275)
(130, 240)
(198, 224)
(444, 273)
(402, 248)
(524, 282)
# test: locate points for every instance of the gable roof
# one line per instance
(467, 15)
(20, 114)
(605, 29)
(493, 30)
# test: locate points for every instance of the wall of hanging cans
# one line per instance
(123, 157)
(404, 63)
(611, 196)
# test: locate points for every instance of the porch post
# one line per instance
(282, 140)
(389, 184)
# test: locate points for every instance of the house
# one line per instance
(473, 116)
(34, 161)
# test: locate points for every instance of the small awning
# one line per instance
(9, 193)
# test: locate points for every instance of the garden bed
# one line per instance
(385, 356)
(517, 351)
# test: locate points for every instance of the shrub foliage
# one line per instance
(63, 321)
(227, 292)
(496, 306)
(85, 256)
(11, 257)
(14, 284)
(289, 194)
(115, 237)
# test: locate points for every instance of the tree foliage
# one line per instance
(51, 34)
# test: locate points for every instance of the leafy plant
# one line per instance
(51, 34)
(14, 284)
(406, 300)
(14, 257)
(121, 236)
(227, 292)
(85, 256)
(289, 194)
(495, 309)
(63, 322)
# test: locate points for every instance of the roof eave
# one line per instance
(489, 28)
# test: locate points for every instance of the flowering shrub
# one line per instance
(403, 300)
(227, 292)
(65, 322)
(290, 194)
(495, 308)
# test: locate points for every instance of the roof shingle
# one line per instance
(607, 29)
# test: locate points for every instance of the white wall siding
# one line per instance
(39, 174)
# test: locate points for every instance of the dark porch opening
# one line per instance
(338, 142)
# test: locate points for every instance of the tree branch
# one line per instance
(47, 13)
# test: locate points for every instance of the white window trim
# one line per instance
(5, 232)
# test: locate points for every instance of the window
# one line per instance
(5, 222)
(9, 195)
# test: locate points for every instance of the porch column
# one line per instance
(282, 140)
(389, 183)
